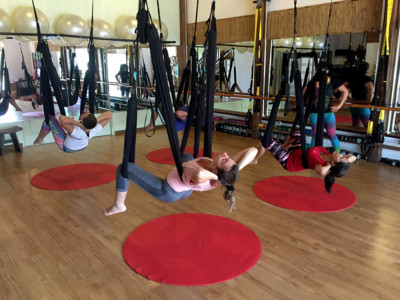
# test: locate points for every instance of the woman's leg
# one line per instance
(364, 116)
(14, 103)
(355, 117)
(313, 122)
(280, 154)
(44, 131)
(152, 184)
(58, 132)
(330, 126)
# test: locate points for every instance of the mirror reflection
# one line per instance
(351, 60)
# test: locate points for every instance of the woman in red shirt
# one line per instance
(328, 165)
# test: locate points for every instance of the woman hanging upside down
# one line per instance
(200, 174)
(71, 135)
(289, 155)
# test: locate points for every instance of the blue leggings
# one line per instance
(330, 127)
(154, 185)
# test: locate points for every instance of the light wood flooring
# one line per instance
(59, 245)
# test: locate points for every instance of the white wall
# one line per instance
(107, 10)
(235, 8)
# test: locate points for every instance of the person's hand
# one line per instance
(335, 108)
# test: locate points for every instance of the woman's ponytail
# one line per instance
(329, 181)
(229, 195)
(337, 170)
(227, 179)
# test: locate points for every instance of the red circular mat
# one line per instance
(164, 156)
(74, 177)
(191, 249)
(304, 194)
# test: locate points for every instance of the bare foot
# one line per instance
(38, 142)
(149, 127)
(261, 151)
(115, 209)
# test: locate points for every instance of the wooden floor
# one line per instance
(58, 245)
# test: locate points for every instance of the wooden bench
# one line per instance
(12, 131)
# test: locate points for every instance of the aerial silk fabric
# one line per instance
(191, 249)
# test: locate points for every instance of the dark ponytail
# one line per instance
(228, 179)
(338, 170)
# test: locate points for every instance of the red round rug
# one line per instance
(164, 156)
(74, 177)
(304, 194)
(191, 249)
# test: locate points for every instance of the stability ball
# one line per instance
(102, 29)
(5, 23)
(126, 27)
(24, 22)
(74, 25)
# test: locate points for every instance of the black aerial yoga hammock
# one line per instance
(361, 51)
(130, 134)
(274, 112)
(7, 87)
(48, 74)
(211, 55)
(288, 78)
(184, 85)
(89, 81)
(196, 106)
(147, 32)
(301, 116)
(305, 80)
(31, 88)
(167, 62)
(74, 72)
(322, 78)
(235, 84)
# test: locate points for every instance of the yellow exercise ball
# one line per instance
(24, 22)
(73, 25)
(5, 23)
(102, 29)
(126, 27)
(164, 28)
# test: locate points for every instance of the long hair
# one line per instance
(338, 170)
(228, 179)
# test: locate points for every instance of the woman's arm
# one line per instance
(370, 87)
(343, 97)
(322, 170)
(201, 175)
(245, 157)
(104, 118)
(69, 123)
